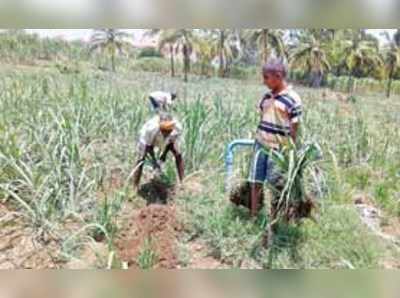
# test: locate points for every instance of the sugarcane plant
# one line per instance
(291, 199)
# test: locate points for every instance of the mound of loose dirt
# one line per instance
(155, 225)
(156, 191)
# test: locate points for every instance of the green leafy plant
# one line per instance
(147, 257)
(106, 217)
(292, 163)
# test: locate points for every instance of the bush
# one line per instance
(65, 68)
(298, 76)
(149, 52)
(241, 72)
(153, 64)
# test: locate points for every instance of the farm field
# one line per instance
(67, 151)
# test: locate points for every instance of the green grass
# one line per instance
(337, 240)
(147, 258)
(63, 133)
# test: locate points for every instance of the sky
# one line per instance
(73, 34)
(84, 34)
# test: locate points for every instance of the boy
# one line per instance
(280, 111)
(162, 132)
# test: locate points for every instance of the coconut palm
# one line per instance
(166, 40)
(227, 43)
(360, 56)
(396, 37)
(392, 58)
(112, 41)
(178, 40)
(392, 64)
(224, 45)
(206, 51)
(323, 34)
(221, 51)
(311, 56)
(265, 38)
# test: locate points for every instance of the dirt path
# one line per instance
(388, 229)
(23, 247)
(377, 221)
(200, 257)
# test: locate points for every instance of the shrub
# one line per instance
(152, 65)
(241, 72)
(149, 52)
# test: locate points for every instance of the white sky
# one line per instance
(71, 34)
(84, 34)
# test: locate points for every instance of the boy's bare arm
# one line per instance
(294, 127)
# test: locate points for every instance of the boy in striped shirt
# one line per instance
(280, 112)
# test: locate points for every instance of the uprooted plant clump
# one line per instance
(156, 191)
(293, 203)
(240, 195)
(293, 212)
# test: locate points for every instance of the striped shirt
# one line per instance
(277, 114)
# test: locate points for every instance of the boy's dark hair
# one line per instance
(276, 66)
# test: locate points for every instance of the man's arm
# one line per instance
(150, 150)
(140, 164)
(180, 166)
(167, 149)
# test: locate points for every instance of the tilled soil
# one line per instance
(156, 226)
(21, 247)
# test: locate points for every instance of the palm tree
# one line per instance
(166, 39)
(392, 58)
(221, 50)
(396, 37)
(360, 56)
(178, 40)
(111, 41)
(226, 43)
(206, 52)
(311, 56)
(265, 38)
(224, 46)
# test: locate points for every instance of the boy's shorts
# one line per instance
(263, 168)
